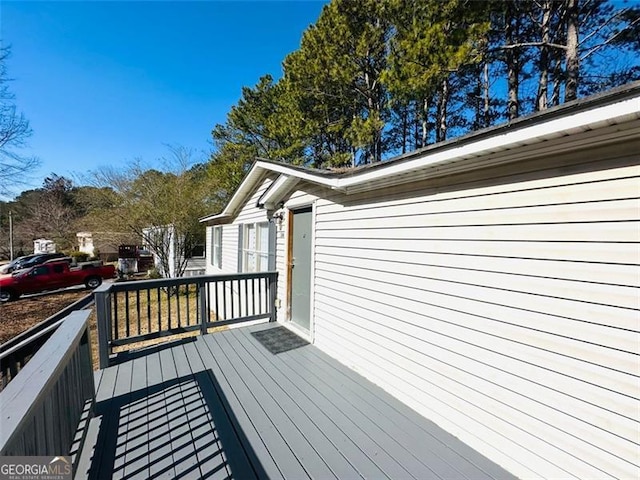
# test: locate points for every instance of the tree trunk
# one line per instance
(572, 59)
(543, 61)
(405, 128)
(425, 127)
(487, 105)
(512, 60)
(443, 100)
(557, 80)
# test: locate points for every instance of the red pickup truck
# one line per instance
(52, 276)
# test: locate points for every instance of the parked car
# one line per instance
(29, 261)
(52, 276)
(10, 267)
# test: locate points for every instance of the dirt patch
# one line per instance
(22, 314)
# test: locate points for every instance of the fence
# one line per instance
(131, 312)
(15, 353)
(42, 408)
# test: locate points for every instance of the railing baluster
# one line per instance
(232, 301)
(253, 296)
(272, 297)
(224, 300)
(236, 298)
(202, 294)
(169, 308)
(159, 310)
(138, 310)
(116, 328)
(246, 297)
(178, 304)
(187, 292)
(215, 286)
(148, 310)
(126, 317)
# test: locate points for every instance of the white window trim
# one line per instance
(216, 246)
(260, 252)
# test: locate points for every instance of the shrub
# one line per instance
(154, 273)
(79, 256)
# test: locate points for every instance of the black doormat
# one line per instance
(279, 339)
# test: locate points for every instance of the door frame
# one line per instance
(291, 209)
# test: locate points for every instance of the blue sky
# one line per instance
(104, 83)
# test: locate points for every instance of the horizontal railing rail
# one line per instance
(42, 408)
(138, 311)
(16, 352)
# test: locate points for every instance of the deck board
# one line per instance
(286, 416)
(362, 402)
(230, 450)
(222, 406)
(421, 436)
(207, 449)
(122, 390)
(368, 445)
(160, 455)
(256, 419)
(137, 437)
(345, 458)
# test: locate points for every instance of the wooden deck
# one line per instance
(223, 406)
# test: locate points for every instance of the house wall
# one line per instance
(250, 213)
(501, 304)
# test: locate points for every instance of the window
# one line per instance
(216, 247)
(58, 269)
(40, 271)
(196, 252)
(256, 247)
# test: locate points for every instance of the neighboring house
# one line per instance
(42, 245)
(489, 282)
(85, 243)
(165, 235)
(104, 244)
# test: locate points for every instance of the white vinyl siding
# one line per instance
(250, 213)
(504, 308)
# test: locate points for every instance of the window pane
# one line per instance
(214, 245)
(250, 264)
(218, 243)
(264, 237)
(250, 237)
(264, 262)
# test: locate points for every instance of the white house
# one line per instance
(43, 245)
(489, 282)
(173, 248)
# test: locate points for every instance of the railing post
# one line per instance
(273, 291)
(202, 300)
(103, 313)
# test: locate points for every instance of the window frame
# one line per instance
(259, 251)
(216, 246)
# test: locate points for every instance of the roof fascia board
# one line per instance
(330, 182)
(624, 110)
(276, 191)
(613, 113)
(249, 182)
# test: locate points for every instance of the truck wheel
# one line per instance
(6, 296)
(93, 282)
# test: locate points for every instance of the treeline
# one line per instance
(377, 78)
(136, 204)
(52, 211)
